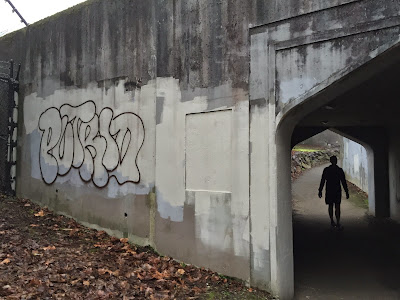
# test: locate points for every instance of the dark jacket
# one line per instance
(333, 175)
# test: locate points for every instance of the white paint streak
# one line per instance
(170, 160)
(209, 151)
(259, 190)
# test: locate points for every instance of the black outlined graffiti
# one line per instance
(99, 145)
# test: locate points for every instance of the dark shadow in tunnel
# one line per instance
(360, 262)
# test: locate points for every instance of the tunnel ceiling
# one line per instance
(376, 102)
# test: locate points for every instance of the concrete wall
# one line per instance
(162, 120)
(355, 163)
(134, 119)
(394, 174)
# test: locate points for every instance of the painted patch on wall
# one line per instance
(99, 144)
(209, 151)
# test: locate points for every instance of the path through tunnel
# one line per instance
(362, 261)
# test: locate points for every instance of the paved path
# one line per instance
(360, 262)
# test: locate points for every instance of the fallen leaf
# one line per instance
(49, 248)
(100, 233)
(40, 214)
(86, 283)
(34, 281)
(123, 240)
(158, 275)
(128, 250)
(27, 205)
(148, 292)
(147, 267)
(36, 253)
(101, 293)
(48, 262)
(73, 231)
(137, 256)
(6, 261)
(102, 271)
(197, 290)
(34, 225)
(74, 282)
(181, 271)
(88, 271)
(2, 232)
(124, 284)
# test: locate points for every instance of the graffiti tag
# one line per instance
(100, 145)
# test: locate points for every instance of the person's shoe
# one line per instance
(339, 226)
(333, 224)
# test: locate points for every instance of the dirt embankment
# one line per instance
(303, 159)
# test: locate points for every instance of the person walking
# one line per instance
(333, 176)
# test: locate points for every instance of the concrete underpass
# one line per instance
(360, 262)
(367, 114)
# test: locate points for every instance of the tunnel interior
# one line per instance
(363, 259)
(370, 115)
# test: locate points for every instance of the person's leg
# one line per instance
(330, 210)
(337, 213)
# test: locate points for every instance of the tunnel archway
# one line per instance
(360, 105)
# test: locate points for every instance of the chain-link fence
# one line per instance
(8, 85)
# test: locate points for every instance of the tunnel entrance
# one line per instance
(362, 260)
(322, 251)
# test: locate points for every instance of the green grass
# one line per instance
(357, 197)
(308, 148)
(305, 150)
(359, 200)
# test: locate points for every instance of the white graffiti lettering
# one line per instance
(100, 145)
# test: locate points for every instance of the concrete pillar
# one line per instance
(394, 174)
(381, 181)
(281, 211)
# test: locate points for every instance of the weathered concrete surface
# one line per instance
(355, 163)
(299, 67)
(177, 75)
(149, 91)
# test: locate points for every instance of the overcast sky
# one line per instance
(31, 10)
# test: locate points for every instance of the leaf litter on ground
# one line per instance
(48, 256)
